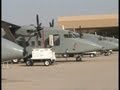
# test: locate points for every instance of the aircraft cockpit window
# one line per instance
(76, 36)
(68, 36)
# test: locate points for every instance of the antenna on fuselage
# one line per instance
(63, 27)
(95, 33)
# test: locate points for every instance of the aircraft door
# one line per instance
(54, 40)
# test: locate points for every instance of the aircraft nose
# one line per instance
(11, 50)
(108, 45)
(87, 46)
(115, 45)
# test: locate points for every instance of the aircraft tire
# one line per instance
(106, 54)
(65, 55)
(92, 55)
(29, 63)
(15, 61)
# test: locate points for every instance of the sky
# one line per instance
(23, 12)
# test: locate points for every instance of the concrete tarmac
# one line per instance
(99, 73)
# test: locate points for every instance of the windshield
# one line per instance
(76, 36)
(72, 35)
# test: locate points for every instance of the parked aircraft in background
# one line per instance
(111, 39)
(61, 41)
(106, 44)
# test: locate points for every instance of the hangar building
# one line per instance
(106, 25)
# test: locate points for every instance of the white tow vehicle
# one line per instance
(45, 55)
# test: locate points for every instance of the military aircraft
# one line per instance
(106, 44)
(61, 41)
(111, 39)
(10, 50)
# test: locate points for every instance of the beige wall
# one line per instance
(88, 21)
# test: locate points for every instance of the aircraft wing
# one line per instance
(9, 30)
(4, 24)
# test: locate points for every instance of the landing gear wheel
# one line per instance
(110, 51)
(78, 58)
(29, 63)
(15, 61)
(47, 62)
(65, 55)
(106, 54)
(92, 55)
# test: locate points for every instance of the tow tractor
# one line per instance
(45, 55)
